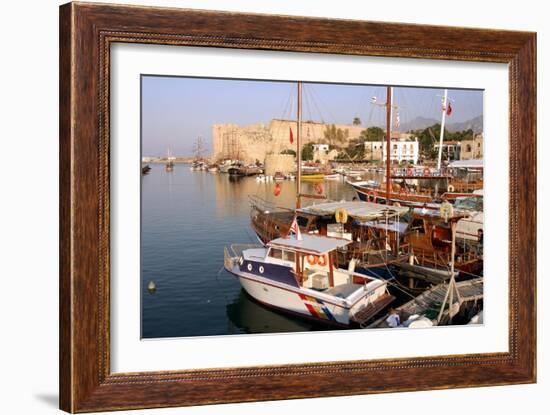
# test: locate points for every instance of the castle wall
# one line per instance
(254, 142)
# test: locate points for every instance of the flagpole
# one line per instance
(443, 112)
(299, 148)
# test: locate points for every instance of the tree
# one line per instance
(335, 135)
(307, 152)
(356, 121)
(372, 134)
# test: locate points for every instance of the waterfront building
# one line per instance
(404, 147)
(472, 149)
(451, 150)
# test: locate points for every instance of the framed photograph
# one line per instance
(259, 207)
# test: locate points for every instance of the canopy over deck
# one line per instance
(436, 216)
(310, 244)
(359, 210)
(466, 164)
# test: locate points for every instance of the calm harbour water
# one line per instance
(187, 219)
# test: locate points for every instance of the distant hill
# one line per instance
(476, 124)
(419, 123)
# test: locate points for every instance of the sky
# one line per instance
(178, 110)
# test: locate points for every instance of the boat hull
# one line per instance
(296, 303)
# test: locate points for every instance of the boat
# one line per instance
(300, 276)
(313, 177)
(408, 195)
(375, 231)
(332, 176)
(429, 238)
(169, 162)
(145, 169)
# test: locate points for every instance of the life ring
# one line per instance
(450, 188)
(341, 215)
(427, 172)
(322, 260)
(446, 210)
(403, 191)
(277, 190)
(312, 259)
(318, 188)
(410, 172)
(371, 196)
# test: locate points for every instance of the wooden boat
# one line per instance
(300, 276)
(375, 231)
(429, 242)
(404, 195)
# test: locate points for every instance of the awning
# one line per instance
(359, 210)
(315, 244)
(466, 164)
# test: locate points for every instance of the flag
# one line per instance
(397, 120)
(291, 136)
(295, 229)
(449, 109)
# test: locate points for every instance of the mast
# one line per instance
(299, 148)
(443, 112)
(388, 142)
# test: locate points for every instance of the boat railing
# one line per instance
(262, 204)
(236, 250)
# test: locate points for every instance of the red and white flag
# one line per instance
(449, 109)
(295, 229)
(291, 136)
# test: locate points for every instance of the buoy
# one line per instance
(277, 190)
(322, 260)
(312, 259)
(451, 188)
(341, 215)
(318, 188)
(152, 287)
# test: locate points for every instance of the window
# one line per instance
(289, 256)
(276, 253)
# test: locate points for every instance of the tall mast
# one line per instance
(388, 142)
(443, 112)
(299, 148)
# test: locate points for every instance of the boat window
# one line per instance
(289, 256)
(276, 253)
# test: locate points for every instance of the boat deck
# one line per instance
(429, 302)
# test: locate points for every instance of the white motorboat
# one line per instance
(300, 276)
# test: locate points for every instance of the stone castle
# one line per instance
(252, 143)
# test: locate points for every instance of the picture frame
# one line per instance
(87, 32)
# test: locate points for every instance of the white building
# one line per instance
(320, 147)
(402, 150)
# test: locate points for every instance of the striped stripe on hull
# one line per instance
(296, 303)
